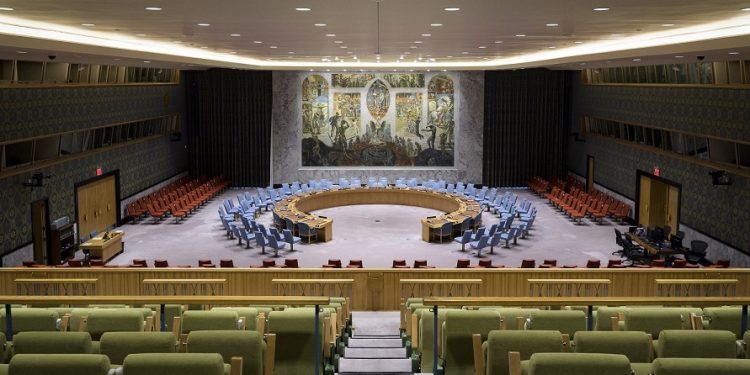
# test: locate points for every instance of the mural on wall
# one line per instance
(378, 120)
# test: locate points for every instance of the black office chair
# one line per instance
(697, 251)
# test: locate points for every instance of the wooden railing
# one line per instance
(184, 287)
(569, 287)
(317, 287)
(696, 287)
(56, 287)
(374, 288)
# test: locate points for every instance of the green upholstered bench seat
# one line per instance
(700, 366)
(52, 343)
(118, 345)
(59, 364)
(174, 364)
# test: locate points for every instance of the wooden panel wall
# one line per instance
(374, 289)
(97, 206)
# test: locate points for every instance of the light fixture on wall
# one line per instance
(36, 180)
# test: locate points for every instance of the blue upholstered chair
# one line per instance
(478, 234)
(494, 241)
(445, 230)
(243, 234)
(260, 240)
(493, 229)
(275, 245)
(306, 231)
(289, 224)
(262, 229)
(275, 234)
(483, 242)
(463, 240)
(290, 239)
(511, 234)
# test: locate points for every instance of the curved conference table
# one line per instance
(297, 208)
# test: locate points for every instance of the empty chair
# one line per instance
(481, 244)
(697, 251)
(726, 318)
(290, 239)
(268, 263)
(203, 262)
(161, 263)
(654, 320)
(175, 364)
(487, 263)
(226, 263)
(422, 263)
(576, 363)
(275, 245)
(59, 364)
(511, 234)
(260, 240)
(499, 343)
(37, 342)
(32, 319)
(244, 234)
(75, 263)
(566, 321)
(633, 344)
(700, 366)
(248, 345)
(306, 231)
(291, 263)
(528, 263)
(333, 263)
(399, 263)
(295, 331)
(696, 344)
(118, 345)
(593, 263)
(99, 321)
(355, 263)
(201, 320)
(139, 262)
(463, 263)
(464, 239)
(445, 230)
(96, 263)
(458, 329)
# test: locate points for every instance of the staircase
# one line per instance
(375, 346)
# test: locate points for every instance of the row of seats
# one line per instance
(644, 334)
(178, 199)
(250, 333)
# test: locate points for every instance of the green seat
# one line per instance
(294, 329)
(460, 325)
(52, 343)
(59, 364)
(633, 344)
(727, 318)
(499, 343)
(700, 366)
(566, 321)
(198, 320)
(696, 344)
(4, 348)
(31, 319)
(118, 345)
(510, 315)
(654, 320)
(250, 315)
(174, 364)
(171, 311)
(100, 321)
(579, 364)
(246, 344)
(426, 337)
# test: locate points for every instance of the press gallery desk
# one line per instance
(99, 248)
(297, 208)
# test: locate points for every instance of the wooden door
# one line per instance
(97, 206)
(673, 208)
(659, 203)
(39, 227)
(590, 174)
(644, 202)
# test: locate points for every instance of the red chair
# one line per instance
(593, 263)
(551, 262)
(355, 264)
(421, 263)
(208, 266)
(679, 263)
(96, 263)
(268, 263)
(204, 262)
(487, 263)
(462, 263)
(570, 266)
(333, 263)
(161, 263)
(615, 263)
(226, 263)
(75, 263)
(291, 263)
(399, 263)
(657, 263)
(140, 262)
(528, 263)
(29, 263)
(721, 263)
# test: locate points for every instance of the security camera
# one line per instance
(52, 57)
(700, 58)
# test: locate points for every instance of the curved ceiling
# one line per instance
(370, 34)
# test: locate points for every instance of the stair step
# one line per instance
(374, 366)
(356, 336)
(374, 343)
(375, 353)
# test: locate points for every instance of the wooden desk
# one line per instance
(297, 208)
(649, 247)
(103, 249)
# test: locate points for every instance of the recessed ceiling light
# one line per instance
(338, 41)
(679, 57)
(667, 24)
(436, 24)
(743, 9)
(578, 42)
(482, 47)
(601, 9)
(449, 56)
(349, 52)
(140, 35)
(553, 25)
(417, 42)
(88, 24)
(22, 52)
(551, 47)
(147, 61)
(426, 35)
(343, 47)
(464, 53)
(302, 9)
(636, 60)
(498, 41)
(204, 47)
(311, 70)
(354, 57)
(235, 35)
(520, 35)
(153, 8)
(734, 53)
(291, 52)
(257, 41)
(321, 25)
(9, 9)
(330, 35)
(273, 47)
(412, 47)
(233, 52)
(204, 24)
(452, 9)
